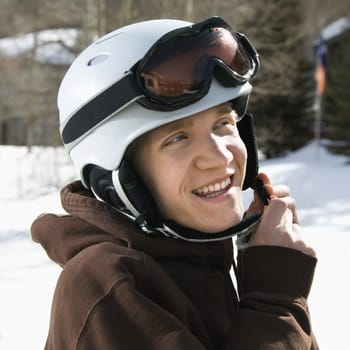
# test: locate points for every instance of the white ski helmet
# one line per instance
(103, 141)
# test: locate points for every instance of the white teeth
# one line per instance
(213, 188)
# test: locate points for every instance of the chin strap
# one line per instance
(105, 187)
(171, 229)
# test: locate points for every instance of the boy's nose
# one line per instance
(213, 153)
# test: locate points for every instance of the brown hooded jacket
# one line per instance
(121, 289)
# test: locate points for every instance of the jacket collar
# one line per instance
(92, 221)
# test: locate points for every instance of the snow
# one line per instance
(51, 45)
(29, 186)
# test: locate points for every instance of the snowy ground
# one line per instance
(319, 182)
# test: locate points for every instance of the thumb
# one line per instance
(275, 223)
(263, 192)
(267, 185)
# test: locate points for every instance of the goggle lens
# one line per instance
(179, 66)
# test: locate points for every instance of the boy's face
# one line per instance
(195, 168)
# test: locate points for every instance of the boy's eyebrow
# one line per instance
(225, 108)
(179, 124)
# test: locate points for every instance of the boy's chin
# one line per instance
(220, 226)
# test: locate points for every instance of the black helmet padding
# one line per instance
(247, 133)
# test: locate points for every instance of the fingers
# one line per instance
(272, 223)
(275, 190)
(278, 227)
(291, 205)
(257, 205)
(281, 191)
(279, 223)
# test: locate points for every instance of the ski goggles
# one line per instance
(178, 68)
(175, 72)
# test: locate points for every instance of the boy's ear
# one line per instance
(247, 134)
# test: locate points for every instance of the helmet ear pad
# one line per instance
(124, 191)
(134, 193)
(247, 134)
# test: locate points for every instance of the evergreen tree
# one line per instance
(281, 101)
(336, 126)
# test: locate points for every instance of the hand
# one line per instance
(279, 222)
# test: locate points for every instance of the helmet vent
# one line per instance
(98, 59)
(108, 36)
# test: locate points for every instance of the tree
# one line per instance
(281, 100)
(337, 96)
(282, 30)
(28, 111)
(95, 19)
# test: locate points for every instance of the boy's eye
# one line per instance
(225, 123)
(174, 139)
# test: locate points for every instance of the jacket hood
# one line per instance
(90, 222)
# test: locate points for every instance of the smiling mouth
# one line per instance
(213, 190)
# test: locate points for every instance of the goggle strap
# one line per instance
(246, 43)
(101, 107)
